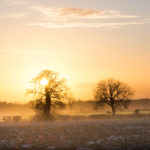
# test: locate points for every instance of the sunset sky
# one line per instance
(84, 40)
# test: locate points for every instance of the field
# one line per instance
(106, 134)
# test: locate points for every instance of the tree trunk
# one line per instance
(113, 110)
(47, 105)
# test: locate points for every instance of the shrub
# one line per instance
(16, 118)
(137, 112)
(6, 118)
(109, 113)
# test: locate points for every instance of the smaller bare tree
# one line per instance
(112, 92)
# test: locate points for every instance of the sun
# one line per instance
(44, 81)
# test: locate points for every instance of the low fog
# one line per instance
(78, 109)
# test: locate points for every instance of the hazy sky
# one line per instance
(84, 40)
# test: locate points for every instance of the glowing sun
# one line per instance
(44, 81)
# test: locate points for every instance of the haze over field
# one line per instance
(85, 41)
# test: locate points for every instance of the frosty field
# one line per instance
(129, 134)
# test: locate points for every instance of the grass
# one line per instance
(106, 113)
(76, 135)
(91, 115)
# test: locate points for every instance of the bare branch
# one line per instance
(112, 92)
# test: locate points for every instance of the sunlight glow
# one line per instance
(64, 77)
(44, 81)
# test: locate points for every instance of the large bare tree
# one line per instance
(112, 92)
(48, 91)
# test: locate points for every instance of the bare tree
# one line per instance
(112, 92)
(48, 91)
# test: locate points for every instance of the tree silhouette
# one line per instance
(112, 92)
(49, 91)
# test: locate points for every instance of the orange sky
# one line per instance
(83, 41)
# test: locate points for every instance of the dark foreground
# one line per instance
(132, 134)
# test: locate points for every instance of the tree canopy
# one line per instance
(112, 92)
(48, 90)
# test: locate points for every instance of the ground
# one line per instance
(109, 134)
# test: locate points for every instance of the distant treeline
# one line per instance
(11, 109)
(4, 105)
(142, 104)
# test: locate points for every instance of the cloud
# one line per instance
(82, 17)
(83, 24)
(81, 13)
(11, 9)
(43, 15)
